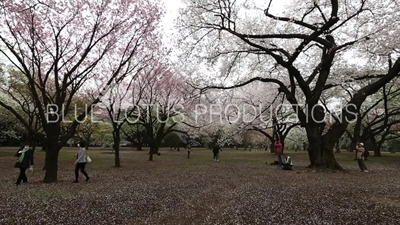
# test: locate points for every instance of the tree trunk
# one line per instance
(87, 143)
(51, 163)
(328, 143)
(377, 147)
(377, 153)
(337, 147)
(314, 151)
(321, 149)
(272, 146)
(139, 146)
(117, 141)
(151, 152)
(117, 161)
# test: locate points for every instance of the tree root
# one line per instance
(322, 168)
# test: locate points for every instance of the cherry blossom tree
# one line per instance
(159, 97)
(271, 116)
(118, 108)
(376, 118)
(63, 47)
(301, 50)
(259, 107)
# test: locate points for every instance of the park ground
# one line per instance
(239, 189)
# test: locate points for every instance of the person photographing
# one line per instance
(360, 157)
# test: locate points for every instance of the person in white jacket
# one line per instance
(80, 162)
(287, 163)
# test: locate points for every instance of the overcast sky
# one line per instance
(172, 7)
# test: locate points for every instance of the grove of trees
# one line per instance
(302, 51)
(240, 73)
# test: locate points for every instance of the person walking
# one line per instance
(188, 151)
(24, 161)
(80, 162)
(216, 150)
(279, 152)
(360, 157)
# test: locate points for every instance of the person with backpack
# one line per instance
(360, 157)
(24, 161)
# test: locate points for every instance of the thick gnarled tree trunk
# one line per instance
(321, 149)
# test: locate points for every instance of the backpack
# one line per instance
(366, 153)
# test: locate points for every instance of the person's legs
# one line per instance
(188, 156)
(22, 176)
(360, 164)
(364, 167)
(77, 167)
(280, 159)
(82, 167)
(217, 156)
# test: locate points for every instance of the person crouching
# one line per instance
(287, 163)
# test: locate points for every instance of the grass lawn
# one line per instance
(239, 189)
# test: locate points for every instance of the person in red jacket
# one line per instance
(278, 151)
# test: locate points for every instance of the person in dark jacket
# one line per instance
(24, 162)
(80, 162)
(216, 150)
